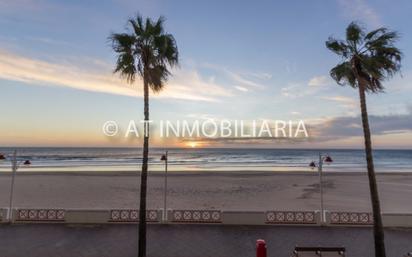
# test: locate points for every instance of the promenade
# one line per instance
(51, 240)
(87, 215)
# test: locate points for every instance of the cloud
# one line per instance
(351, 126)
(301, 89)
(360, 10)
(318, 81)
(347, 102)
(261, 75)
(242, 80)
(297, 90)
(293, 90)
(49, 41)
(243, 89)
(332, 130)
(96, 76)
(204, 116)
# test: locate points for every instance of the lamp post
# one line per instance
(14, 166)
(164, 158)
(322, 159)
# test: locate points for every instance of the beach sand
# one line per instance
(208, 190)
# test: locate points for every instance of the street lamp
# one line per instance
(14, 166)
(322, 159)
(164, 158)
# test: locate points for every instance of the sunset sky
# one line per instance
(240, 60)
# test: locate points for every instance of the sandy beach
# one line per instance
(209, 190)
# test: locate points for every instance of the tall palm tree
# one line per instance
(367, 60)
(147, 51)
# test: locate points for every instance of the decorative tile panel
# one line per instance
(40, 215)
(351, 218)
(131, 215)
(196, 216)
(290, 217)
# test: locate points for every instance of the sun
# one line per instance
(192, 144)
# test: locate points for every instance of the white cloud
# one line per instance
(295, 90)
(347, 102)
(301, 89)
(261, 75)
(245, 80)
(243, 89)
(242, 80)
(97, 77)
(361, 11)
(319, 81)
(49, 41)
(203, 116)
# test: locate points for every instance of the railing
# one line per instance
(277, 217)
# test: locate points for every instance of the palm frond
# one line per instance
(125, 65)
(146, 51)
(167, 49)
(372, 35)
(369, 58)
(158, 26)
(338, 46)
(343, 74)
(157, 77)
(382, 40)
(354, 34)
(137, 25)
(121, 42)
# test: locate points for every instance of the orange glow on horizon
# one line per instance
(192, 144)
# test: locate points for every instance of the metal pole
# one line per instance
(322, 217)
(13, 175)
(165, 192)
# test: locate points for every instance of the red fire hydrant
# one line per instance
(260, 248)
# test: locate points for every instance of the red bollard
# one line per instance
(260, 248)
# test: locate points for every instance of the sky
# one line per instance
(239, 60)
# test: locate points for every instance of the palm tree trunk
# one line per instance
(376, 209)
(143, 175)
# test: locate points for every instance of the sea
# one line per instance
(201, 159)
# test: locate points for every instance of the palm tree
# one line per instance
(367, 60)
(148, 52)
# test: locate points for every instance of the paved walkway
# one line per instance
(54, 240)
